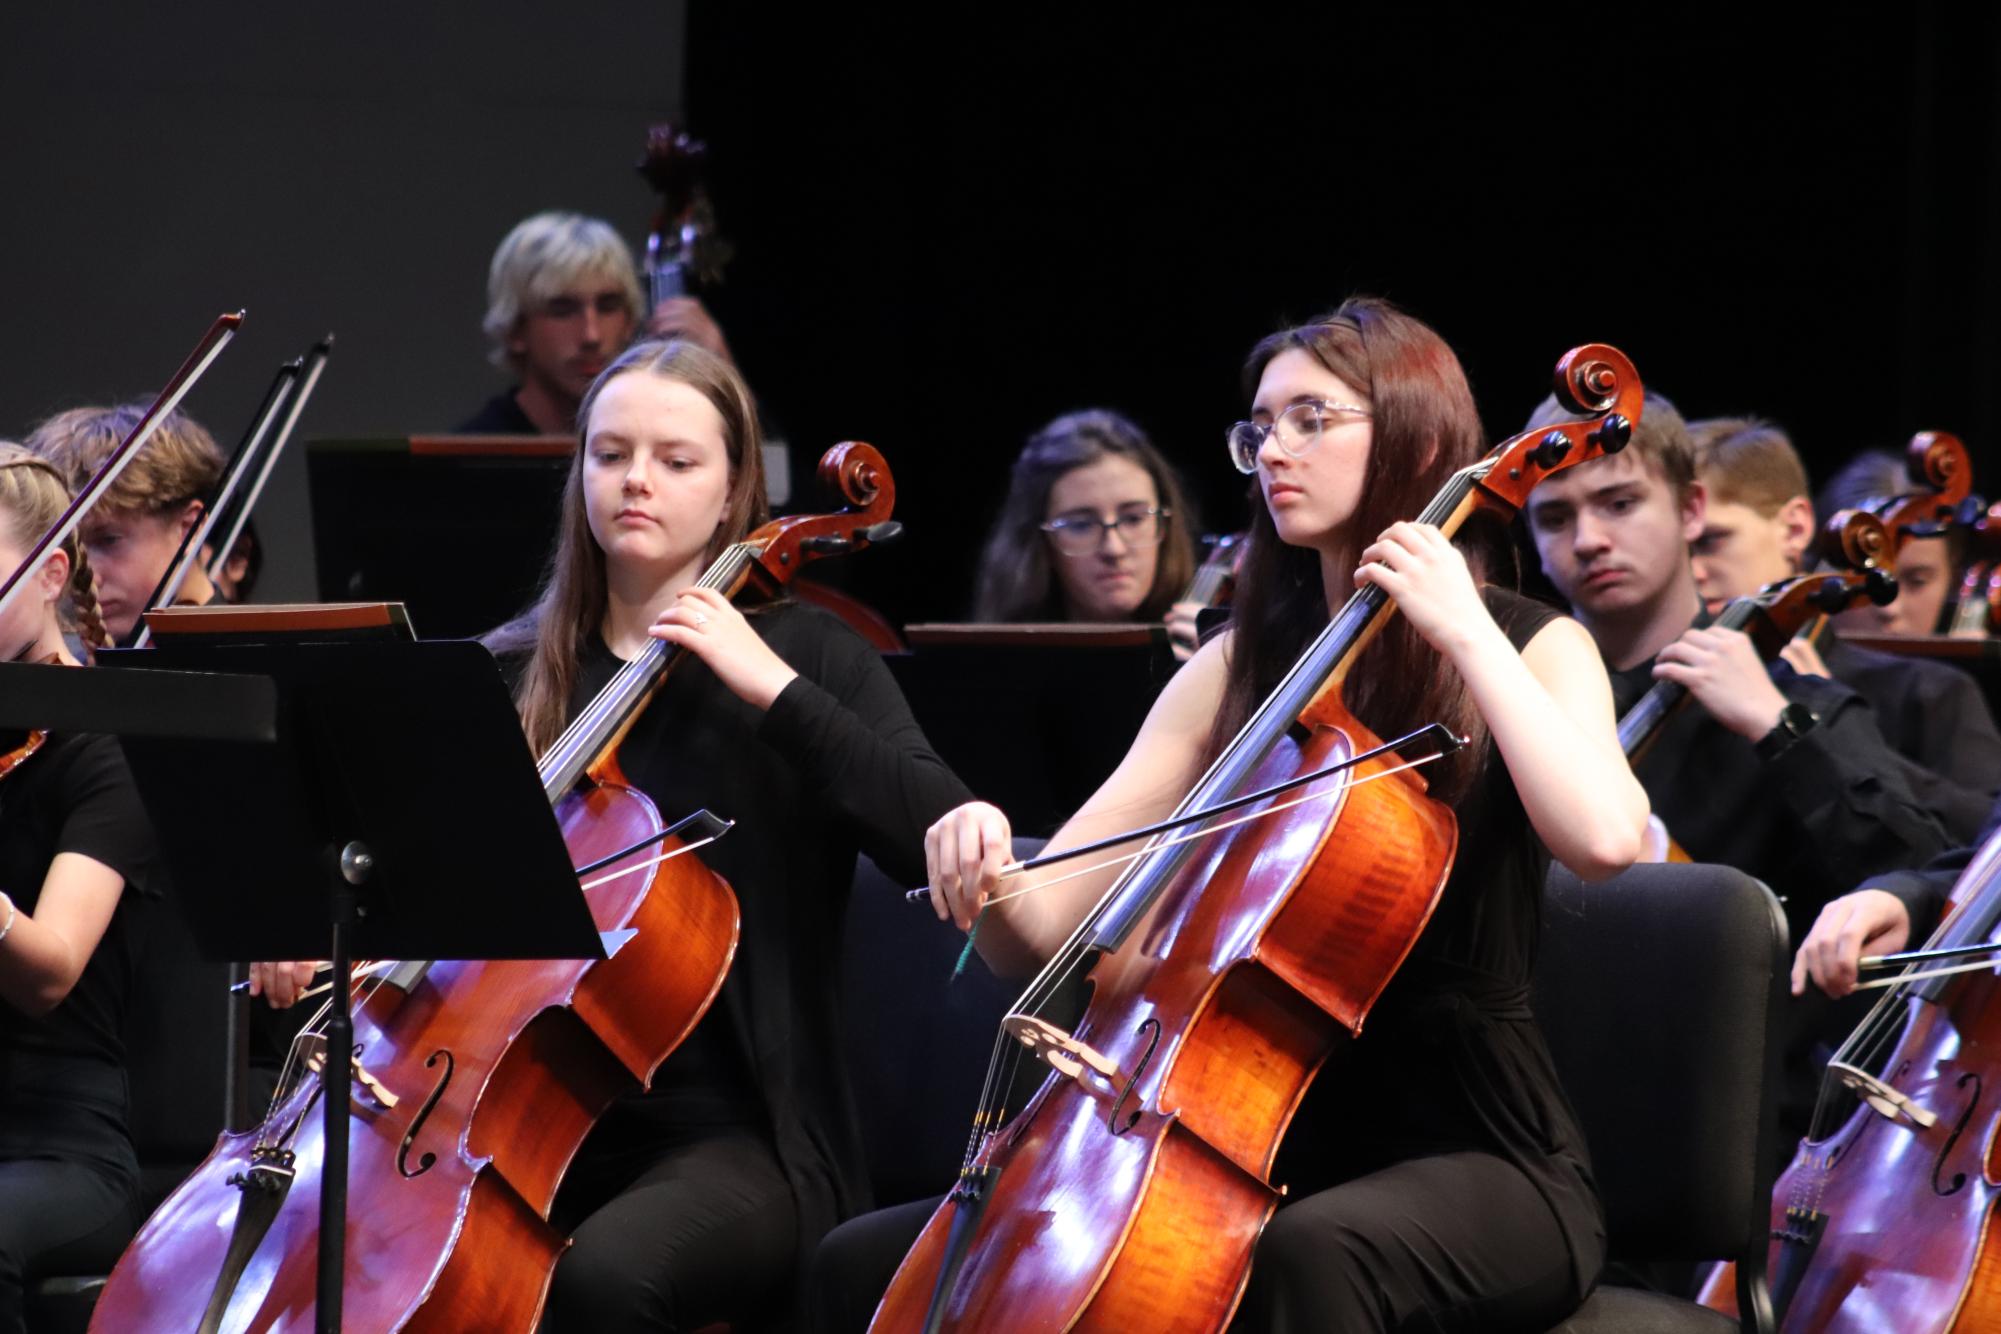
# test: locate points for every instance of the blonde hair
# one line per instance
(574, 594)
(539, 259)
(33, 496)
(1747, 461)
(178, 464)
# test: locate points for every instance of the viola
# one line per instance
(475, 1083)
(1129, 1193)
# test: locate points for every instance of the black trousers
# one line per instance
(1457, 1241)
(58, 1218)
(674, 1232)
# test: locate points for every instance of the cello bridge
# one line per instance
(1059, 1050)
(1885, 1101)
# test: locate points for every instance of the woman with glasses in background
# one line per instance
(1094, 528)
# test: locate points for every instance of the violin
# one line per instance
(475, 1082)
(1129, 1192)
(1885, 1218)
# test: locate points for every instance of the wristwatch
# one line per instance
(1795, 721)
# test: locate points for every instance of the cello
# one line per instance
(1129, 1192)
(475, 1082)
(1884, 1220)
(1771, 618)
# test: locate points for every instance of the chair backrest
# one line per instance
(175, 1053)
(1661, 993)
(917, 1042)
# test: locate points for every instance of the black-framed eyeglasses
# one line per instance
(1298, 429)
(1080, 532)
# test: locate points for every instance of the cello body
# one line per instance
(1219, 1013)
(497, 1071)
(1885, 1220)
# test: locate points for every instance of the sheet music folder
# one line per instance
(411, 749)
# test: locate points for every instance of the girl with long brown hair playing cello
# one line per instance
(696, 1202)
(75, 851)
(1443, 1183)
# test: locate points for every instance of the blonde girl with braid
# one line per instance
(78, 879)
(131, 535)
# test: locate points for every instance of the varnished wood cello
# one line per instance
(1129, 1193)
(476, 1082)
(1885, 1219)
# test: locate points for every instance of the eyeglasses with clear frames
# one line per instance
(1080, 533)
(1298, 429)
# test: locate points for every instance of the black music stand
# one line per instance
(379, 770)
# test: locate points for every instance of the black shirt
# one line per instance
(499, 415)
(836, 766)
(1452, 1057)
(1812, 823)
(1934, 716)
(61, 1075)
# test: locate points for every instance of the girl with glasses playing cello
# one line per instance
(695, 1202)
(1435, 1176)
(73, 841)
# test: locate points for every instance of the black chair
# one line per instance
(1662, 994)
(917, 1044)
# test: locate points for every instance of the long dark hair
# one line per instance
(574, 594)
(1425, 429)
(1015, 580)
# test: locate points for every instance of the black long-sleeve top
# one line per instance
(836, 766)
(1925, 889)
(1812, 823)
(1934, 716)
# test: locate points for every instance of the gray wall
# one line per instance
(346, 167)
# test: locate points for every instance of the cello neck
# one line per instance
(1645, 719)
(1323, 664)
(605, 720)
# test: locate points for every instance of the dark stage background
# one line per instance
(946, 235)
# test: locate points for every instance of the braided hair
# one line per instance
(33, 495)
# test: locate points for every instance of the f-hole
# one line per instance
(1958, 1178)
(1112, 1122)
(428, 1160)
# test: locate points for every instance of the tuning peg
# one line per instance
(1549, 450)
(1830, 595)
(878, 533)
(1882, 587)
(1612, 434)
(827, 545)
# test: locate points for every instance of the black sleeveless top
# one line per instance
(1451, 1059)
